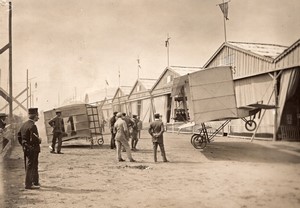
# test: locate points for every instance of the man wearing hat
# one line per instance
(134, 133)
(57, 123)
(112, 122)
(122, 137)
(2, 120)
(2, 126)
(29, 137)
(156, 130)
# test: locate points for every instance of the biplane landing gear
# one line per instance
(250, 125)
(100, 141)
(198, 141)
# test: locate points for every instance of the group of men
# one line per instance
(123, 128)
(134, 126)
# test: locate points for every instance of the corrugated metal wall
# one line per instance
(244, 64)
(292, 58)
(249, 90)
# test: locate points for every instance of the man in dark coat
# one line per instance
(28, 136)
(112, 122)
(156, 130)
(2, 126)
(57, 123)
(2, 120)
(134, 133)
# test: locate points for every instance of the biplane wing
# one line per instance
(210, 94)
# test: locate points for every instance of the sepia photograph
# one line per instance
(149, 103)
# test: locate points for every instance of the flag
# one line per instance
(167, 42)
(224, 9)
(138, 61)
(106, 82)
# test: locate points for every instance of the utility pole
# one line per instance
(30, 94)
(10, 61)
(27, 92)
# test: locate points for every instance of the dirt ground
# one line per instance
(230, 172)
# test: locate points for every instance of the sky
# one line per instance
(70, 47)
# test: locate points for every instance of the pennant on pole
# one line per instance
(138, 61)
(224, 9)
(167, 41)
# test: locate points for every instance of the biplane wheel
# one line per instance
(100, 141)
(199, 141)
(250, 125)
(192, 137)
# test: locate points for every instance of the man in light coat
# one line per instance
(121, 138)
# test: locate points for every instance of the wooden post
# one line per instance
(27, 92)
(10, 61)
(276, 103)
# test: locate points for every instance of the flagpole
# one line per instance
(167, 45)
(138, 67)
(224, 8)
(105, 88)
(119, 76)
(168, 52)
(224, 19)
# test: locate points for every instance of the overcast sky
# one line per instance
(71, 47)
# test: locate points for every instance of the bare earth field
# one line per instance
(230, 172)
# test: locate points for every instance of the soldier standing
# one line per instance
(112, 122)
(2, 126)
(156, 130)
(2, 120)
(140, 126)
(57, 123)
(28, 136)
(134, 134)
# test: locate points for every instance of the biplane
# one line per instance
(81, 121)
(209, 95)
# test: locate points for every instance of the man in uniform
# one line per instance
(122, 138)
(140, 126)
(57, 123)
(2, 126)
(156, 130)
(112, 122)
(134, 133)
(129, 124)
(28, 136)
(2, 120)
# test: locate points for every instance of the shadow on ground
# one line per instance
(247, 152)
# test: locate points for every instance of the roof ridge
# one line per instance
(188, 67)
(147, 79)
(269, 44)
